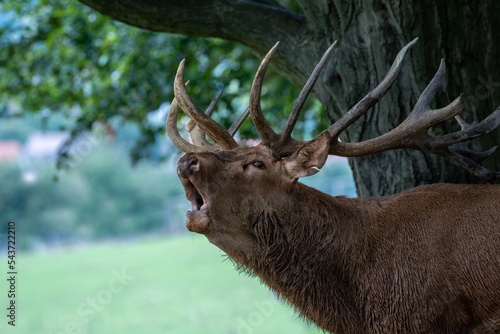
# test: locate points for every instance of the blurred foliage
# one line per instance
(68, 59)
(100, 198)
(17, 129)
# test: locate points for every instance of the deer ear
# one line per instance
(309, 159)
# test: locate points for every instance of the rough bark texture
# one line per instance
(370, 34)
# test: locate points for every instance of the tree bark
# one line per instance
(369, 36)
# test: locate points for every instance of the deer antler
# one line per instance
(173, 133)
(266, 133)
(200, 142)
(460, 155)
(199, 123)
(373, 97)
(237, 123)
(304, 93)
(413, 132)
(211, 128)
(282, 144)
(197, 135)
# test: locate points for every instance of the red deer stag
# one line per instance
(424, 261)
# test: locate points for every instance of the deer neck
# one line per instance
(312, 253)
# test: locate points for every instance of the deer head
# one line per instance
(224, 181)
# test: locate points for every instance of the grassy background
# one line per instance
(173, 285)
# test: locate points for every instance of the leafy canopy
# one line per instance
(70, 60)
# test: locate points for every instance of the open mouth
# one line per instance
(198, 218)
(198, 203)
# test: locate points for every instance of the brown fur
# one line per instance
(423, 261)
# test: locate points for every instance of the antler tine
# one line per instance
(373, 97)
(197, 135)
(469, 131)
(306, 90)
(192, 123)
(461, 160)
(237, 123)
(454, 146)
(173, 132)
(206, 124)
(412, 132)
(265, 131)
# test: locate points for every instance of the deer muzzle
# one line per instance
(198, 217)
(188, 166)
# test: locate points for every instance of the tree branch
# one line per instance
(314, 11)
(258, 23)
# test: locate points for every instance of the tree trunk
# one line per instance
(369, 36)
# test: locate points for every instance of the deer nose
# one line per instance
(188, 167)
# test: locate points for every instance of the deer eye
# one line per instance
(258, 164)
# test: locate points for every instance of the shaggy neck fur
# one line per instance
(313, 263)
(411, 263)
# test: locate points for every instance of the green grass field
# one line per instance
(172, 285)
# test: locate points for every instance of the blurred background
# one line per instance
(89, 177)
